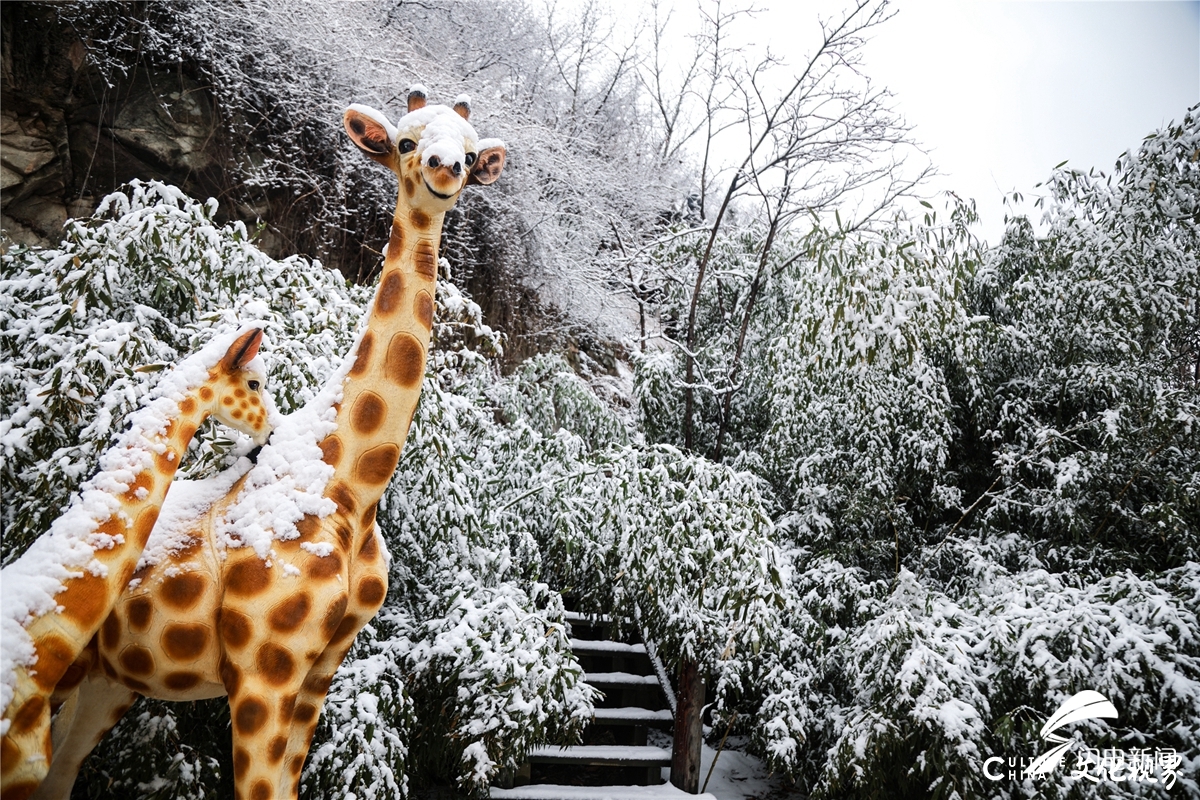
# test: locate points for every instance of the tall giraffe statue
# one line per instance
(57, 594)
(259, 595)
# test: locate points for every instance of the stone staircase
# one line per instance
(617, 760)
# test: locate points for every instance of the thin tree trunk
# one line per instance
(685, 753)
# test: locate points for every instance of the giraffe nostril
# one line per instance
(435, 162)
(456, 169)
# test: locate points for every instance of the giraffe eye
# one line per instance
(253, 385)
(471, 159)
(407, 145)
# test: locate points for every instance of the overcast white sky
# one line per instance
(1000, 91)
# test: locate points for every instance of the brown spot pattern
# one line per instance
(181, 681)
(54, 655)
(110, 631)
(181, 592)
(250, 716)
(305, 713)
(344, 535)
(333, 617)
(73, 676)
(371, 590)
(247, 577)
(28, 714)
(370, 548)
(409, 188)
(137, 660)
(167, 462)
(235, 628)
(391, 289)
(241, 760)
(286, 707)
(275, 663)
(317, 684)
(419, 218)
(423, 309)
(144, 480)
(405, 364)
(186, 432)
(377, 464)
(140, 609)
(189, 405)
(184, 641)
(331, 450)
(362, 357)
(145, 523)
(425, 259)
(308, 525)
(231, 677)
(85, 600)
(344, 497)
(276, 749)
(349, 627)
(368, 413)
(287, 616)
(206, 393)
(323, 567)
(135, 684)
(368, 515)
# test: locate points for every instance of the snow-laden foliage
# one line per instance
(954, 489)
(859, 403)
(985, 468)
(361, 744)
(282, 73)
(89, 326)
(469, 656)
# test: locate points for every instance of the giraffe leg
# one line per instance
(309, 702)
(84, 718)
(25, 750)
(262, 714)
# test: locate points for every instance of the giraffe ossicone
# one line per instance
(55, 596)
(255, 583)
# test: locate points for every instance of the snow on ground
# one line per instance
(737, 776)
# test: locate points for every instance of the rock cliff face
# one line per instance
(69, 136)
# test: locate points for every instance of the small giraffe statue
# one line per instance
(58, 593)
(260, 596)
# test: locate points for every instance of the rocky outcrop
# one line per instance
(69, 135)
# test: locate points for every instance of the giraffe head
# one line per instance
(433, 150)
(235, 389)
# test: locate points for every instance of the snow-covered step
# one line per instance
(575, 616)
(549, 791)
(605, 647)
(613, 678)
(603, 755)
(631, 715)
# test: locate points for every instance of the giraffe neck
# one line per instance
(381, 391)
(113, 514)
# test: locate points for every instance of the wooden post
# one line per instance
(685, 752)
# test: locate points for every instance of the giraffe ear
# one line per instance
(371, 132)
(489, 164)
(243, 350)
